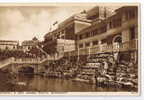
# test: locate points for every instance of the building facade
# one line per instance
(100, 31)
(118, 33)
(69, 28)
(8, 45)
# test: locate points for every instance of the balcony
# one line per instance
(129, 45)
(125, 46)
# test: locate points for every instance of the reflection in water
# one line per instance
(46, 84)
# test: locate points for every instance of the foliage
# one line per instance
(50, 47)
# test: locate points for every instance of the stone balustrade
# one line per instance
(6, 62)
(38, 60)
(125, 46)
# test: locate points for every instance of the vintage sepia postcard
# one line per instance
(70, 49)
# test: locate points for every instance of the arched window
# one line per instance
(117, 39)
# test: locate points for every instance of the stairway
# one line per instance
(48, 56)
(42, 50)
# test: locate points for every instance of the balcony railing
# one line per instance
(129, 45)
(13, 60)
(125, 46)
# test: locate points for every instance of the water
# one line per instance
(46, 84)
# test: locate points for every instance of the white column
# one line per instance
(78, 53)
(100, 46)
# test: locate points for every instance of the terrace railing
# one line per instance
(13, 60)
(125, 46)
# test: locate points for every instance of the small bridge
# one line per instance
(17, 64)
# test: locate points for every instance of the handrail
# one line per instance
(133, 44)
(29, 60)
(6, 62)
(124, 46)
(14, 60)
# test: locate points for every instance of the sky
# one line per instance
(25, 22)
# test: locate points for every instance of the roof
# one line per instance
(121, 9)
(8, 41)
(29, 42)
(79, 17)
(93, 27)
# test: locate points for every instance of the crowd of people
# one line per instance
(108, 72)
(14, 53)
(32, 53)
(63, 68)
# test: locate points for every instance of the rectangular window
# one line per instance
(103, 29)
(95, 42)
(62, 37)
(83, 36)
(91, 34)
(80, 45)
(132, 33)
(115, 23)
(80, 36)
(87, 44)
(118, 22)
(95, 32)
(126, 15)
(87, 34)
(110, 24)
(132, 14)
(58, 36)
(103, 41)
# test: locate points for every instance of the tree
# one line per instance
(50, 47)
(35, 51)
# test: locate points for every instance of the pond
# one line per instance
(47, 84)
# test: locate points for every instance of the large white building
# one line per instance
(118, 32)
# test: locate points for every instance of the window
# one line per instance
(87, 44)
(13, 47)
(95, 42)
(58, 36)
(110, 24)
(115, 23)
(87, 34)
(132, 33)
(62, 37)
(29, 47)
(91, 34)
(103, 29)
(80, 36)
(130, 14)
(95, 32)
(103, 41)
(80, 45)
